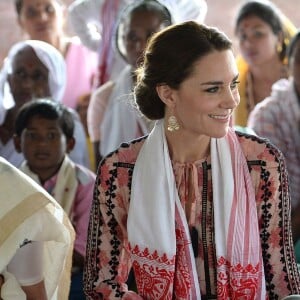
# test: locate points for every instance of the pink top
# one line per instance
(277, 118)
(81, 70)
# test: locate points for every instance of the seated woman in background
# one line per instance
(95, 21)
(45, 20)
(264, 34)
(278, 119)
(33, 69)
(112, 116)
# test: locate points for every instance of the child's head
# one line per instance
(44, 133)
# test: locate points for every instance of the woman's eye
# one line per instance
(258, 34)
(132, 38)
(212, 89)
(39, 76)
(20, 74)
(242, 37)
(234, 85)
(49, 9)
(31, 13)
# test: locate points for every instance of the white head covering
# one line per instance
(186, 10)
(49, 56)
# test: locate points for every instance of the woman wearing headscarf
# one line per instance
(45, 20)
(112, 116)
(33, 69)
(95, 21)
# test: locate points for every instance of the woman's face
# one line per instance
(29, 77)
(258, 43)
(136, 32)
(42, 19)
(295, 66)
(204, 102)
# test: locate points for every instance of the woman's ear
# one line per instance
(166, 94)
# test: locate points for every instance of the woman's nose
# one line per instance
(43, 16)
(231, 99)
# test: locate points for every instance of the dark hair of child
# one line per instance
(48, 109)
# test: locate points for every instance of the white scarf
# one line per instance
(66, 183)
(155, 206)
(121, 121)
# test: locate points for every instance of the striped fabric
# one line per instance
(278, 119)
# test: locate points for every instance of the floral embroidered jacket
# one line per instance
(108, 258)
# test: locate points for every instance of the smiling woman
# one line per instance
(171, 204)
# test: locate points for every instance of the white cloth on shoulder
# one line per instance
(66, 184)
(29, 213)
(122, 121)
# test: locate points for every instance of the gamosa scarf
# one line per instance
(158, 234)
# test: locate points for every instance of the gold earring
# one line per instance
(173, 124)
(279, 48)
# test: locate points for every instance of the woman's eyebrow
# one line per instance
(218, 82)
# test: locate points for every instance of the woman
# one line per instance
(263, 33)
(196, 209)
(33, 69)
(278, 119)
(45, 20)
(112, 118)
(103, 15)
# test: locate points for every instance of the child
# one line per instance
(44, 133)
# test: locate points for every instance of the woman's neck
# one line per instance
(264, 76)
(269, 72)
(60, 43)
(186, 148)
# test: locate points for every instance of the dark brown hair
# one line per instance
(169, 59)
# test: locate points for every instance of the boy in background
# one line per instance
(44, 133)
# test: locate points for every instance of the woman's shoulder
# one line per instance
(259, 150)
(104, 91)
(78, 49)
(125, 155)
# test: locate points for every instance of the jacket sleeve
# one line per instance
(274, 212)
(107, 259)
